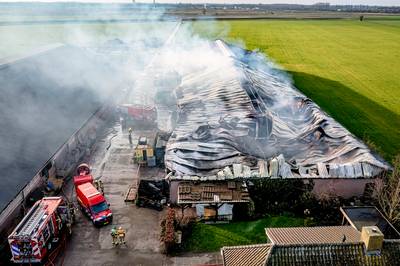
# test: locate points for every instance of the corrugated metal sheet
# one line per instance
(247, 111)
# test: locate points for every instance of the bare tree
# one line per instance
(388, 193)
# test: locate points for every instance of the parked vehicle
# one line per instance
(93, 204)
(40, 231)
(137, 115)
(150, 149)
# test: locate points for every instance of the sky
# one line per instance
(345, 2)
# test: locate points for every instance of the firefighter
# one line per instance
(130, 135)
(114, 236)
(99, 185)
(121, 235)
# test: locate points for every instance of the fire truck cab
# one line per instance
(47, 222)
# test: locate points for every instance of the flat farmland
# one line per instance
(350, 68)
(24, 38)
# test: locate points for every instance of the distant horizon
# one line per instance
(227, 2)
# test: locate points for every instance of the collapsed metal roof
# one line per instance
(250, 115)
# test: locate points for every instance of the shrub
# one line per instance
(167, 235)
(275, 196)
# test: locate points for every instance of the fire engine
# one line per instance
(133, 115)
(90, 196)
(93, 204)
(39, 232)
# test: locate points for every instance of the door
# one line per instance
(145, 155)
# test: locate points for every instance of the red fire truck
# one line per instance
(134, 115)
(42, 228)
(93, 204)
(90, 197)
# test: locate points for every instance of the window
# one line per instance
(100, 207)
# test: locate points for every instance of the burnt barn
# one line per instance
(247, 121)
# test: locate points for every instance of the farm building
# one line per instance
(360, 216)
(246, 120)
(213, 200)
(329, 245)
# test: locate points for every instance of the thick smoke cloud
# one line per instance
(49, 92)
(68, 70)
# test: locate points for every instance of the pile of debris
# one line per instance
(152, 194)
(278, 167)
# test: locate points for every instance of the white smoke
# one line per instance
(47, 95)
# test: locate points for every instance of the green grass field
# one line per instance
(207, 237)
(350, 68)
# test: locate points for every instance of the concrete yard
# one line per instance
(92, 246)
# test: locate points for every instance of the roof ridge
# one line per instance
(326, 226)
(319, 244)
(248, 246)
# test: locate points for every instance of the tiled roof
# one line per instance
(212, 192)
(251, 255)
(316, 254)
(313, 235)
(311, 254)
(333, 254)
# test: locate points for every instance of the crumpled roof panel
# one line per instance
(251, 112)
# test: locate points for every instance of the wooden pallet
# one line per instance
(132, 192)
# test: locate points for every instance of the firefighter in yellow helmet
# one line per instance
(121, 235)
